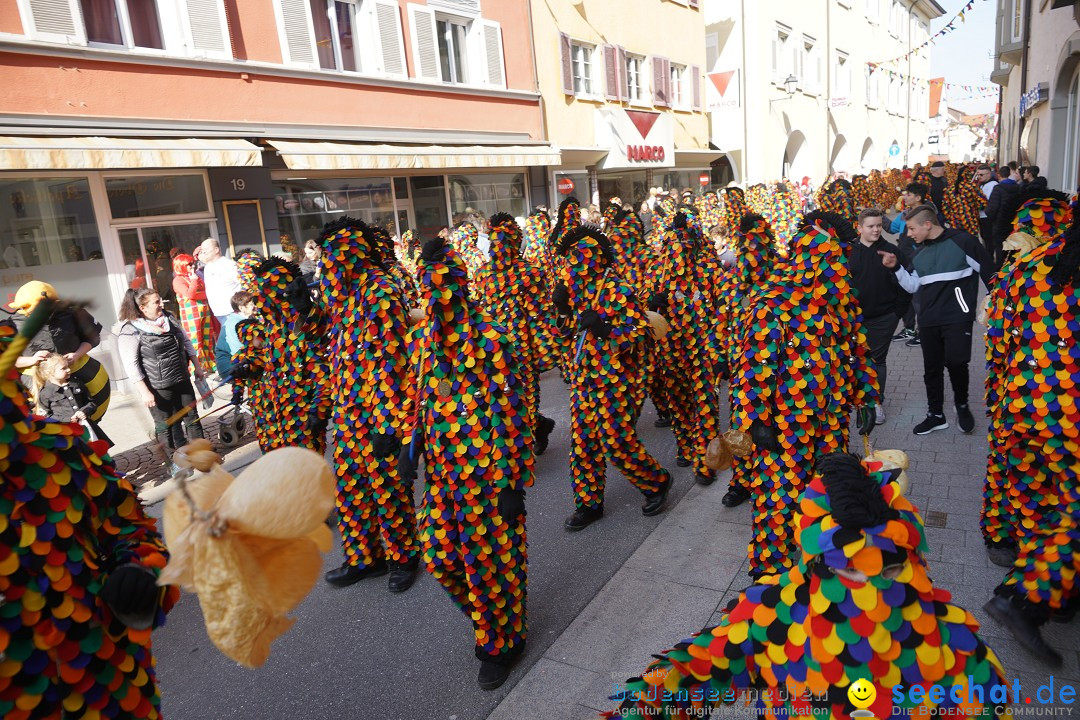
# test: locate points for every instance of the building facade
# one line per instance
(134, 128)
(1037, 49)
(623, 95)
(792, 93)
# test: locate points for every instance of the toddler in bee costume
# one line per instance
(514, 293)
(854, 624)
(79, 563)
(369, 363)
(472, 428)
(607, 375)
(1033, 400)
(801, 366)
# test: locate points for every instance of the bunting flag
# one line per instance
(986, 90)
(948, 28)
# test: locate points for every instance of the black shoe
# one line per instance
(706, 479)
(403, 575)
(930, 424)
(348, 574)
(543, 432)
(655, 502)
(682, 462)
(1024, 629)
(583, 517)
(735, 497)
(662, 420)
(965, 419)
(913, 342)
(905, 334)
(492, 674)
(1002, 554)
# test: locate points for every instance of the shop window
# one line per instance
(49, 232)
(140, 196)
(487, 194)
(303, 207)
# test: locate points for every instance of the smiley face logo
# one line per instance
(861, 694)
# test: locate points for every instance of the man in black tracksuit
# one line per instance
(1001, 210)
(945, 280)
(879, 292)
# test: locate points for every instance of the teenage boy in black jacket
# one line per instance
(945, 280)
(879, 292)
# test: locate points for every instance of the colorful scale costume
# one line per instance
(464, 240)
(685, 294)
(801, 368)
(537, 229)
(1018, 494)
(860, 190)
(254, 356)
(368, 361)
(295, 379)
(859, 605)
(473, 419)
(963, 201)
(1035, 409)
(837, 197)
(68, 524)
(403, 280)
(733, 207)
(784, 218)
(607, 372)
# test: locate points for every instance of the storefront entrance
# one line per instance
(148, 252)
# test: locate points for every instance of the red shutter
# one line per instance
(567, 64)
(695, 77)
(660, 81)
(624, 87)
(611, 72)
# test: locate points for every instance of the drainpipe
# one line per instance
(742, 91)
(907, 130)
(828, 85)
(1026, 40)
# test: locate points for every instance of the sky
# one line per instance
(965, 56)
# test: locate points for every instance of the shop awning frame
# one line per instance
(357, 156)
(108, 153)
(696, 158)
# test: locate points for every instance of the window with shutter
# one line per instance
(491, 39)
(565, 54)
(425, 44)
(54, 21)
(695, 78)
(208, 29)
(298, 40)
(391, 45)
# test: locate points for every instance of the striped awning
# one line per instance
(103, 153)
(357, 156)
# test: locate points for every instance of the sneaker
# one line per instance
(913, 342)
(879, 415)
(930, 424)
(905, 334)
(965, 419)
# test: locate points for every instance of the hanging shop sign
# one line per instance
(635, 138)
(1033, 98)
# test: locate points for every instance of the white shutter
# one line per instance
(695, 87)
(492, 48)
(296, 32)
(425, 46)
(391, 40)
(208, 30)
(54, 21)
(777, 49)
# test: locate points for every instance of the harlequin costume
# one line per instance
(195, 316)
(296, 374)
(801, 367)
(463, 239)
(858, 607)
(403, 280)
(474, 429)
(607, 378)
(248, 370)
(860, 190)
(837, 197)
(78, 568)
(1016, 495)
(368, 361)
(514, 293)
(784, 218)
(963, 201)
(537, 229)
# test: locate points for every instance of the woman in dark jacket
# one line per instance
(156, 352)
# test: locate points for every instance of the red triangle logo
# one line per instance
(643, 121)
(722, 80)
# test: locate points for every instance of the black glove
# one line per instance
(237, 395)
(511, 505)
(131, 590)
(764, 436)
(865, 419)
(409, 457)
(243, 371)
(560, 297)
(590, 320)
(434, 251)
(385, 445)
(317, 425)
(658, 302)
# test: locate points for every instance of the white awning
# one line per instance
(696, 158)
(103, 153)
(349, 156)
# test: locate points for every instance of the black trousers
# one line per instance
(879, 332)
(945, 346)
(168, 401)
(992, 244)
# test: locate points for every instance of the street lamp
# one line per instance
(790, 85)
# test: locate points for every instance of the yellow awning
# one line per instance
(350, 156)
(102, 153)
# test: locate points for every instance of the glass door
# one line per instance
(430, 212)
(149, 251)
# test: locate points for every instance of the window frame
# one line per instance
(809, 66)
(127, 35)
(783, 59)
(466, 51)
(576, 47)
(679, 93)
(841, 83)
(642, 97)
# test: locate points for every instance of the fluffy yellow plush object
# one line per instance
(658, 323)
(253, 550)
(894, 460)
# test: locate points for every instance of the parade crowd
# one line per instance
(405, 359)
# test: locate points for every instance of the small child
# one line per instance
(65, 398)
(228, 343)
